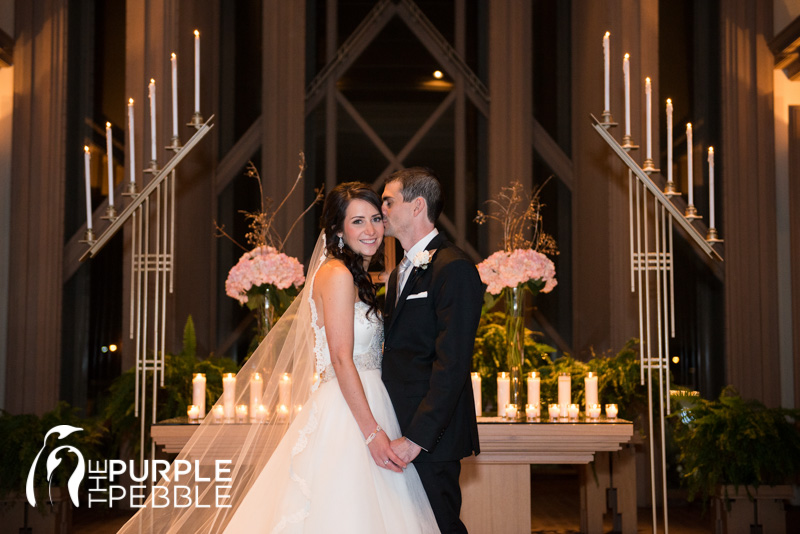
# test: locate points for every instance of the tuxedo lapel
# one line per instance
(436, 243)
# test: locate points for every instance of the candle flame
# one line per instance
(173, 56)
(607, 35)
(591, 374)
(197, 33)
(130, 101)
(256, 376)
(669, 101)
(647, 80)
(229, 375)
(711, 150)
(152, 81)
(688, 125)
(86, 149)
(285, 376)
(627, 56)
(108, 125)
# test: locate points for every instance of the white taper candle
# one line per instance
(197, 71)
(132, 152)
(110, 158)
(152, 94)
(626, 71)
(648, 92)
(174, 61)
(607, 70)
(87, 163)
(669, 139)
(711, 187)
(689, 161)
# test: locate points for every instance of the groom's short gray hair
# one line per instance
(420, 182)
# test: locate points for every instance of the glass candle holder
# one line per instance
(611, 411)
(532, 412)
(219, 413)
(593, 411)
(193, 411)
(573, 410)
(511, 411)
(260, 415)
(554, 410)
(241, 413)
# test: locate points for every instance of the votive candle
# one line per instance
(554, 411)
(261, 413)
(573, 410)
(511, 411)
(593, 411)
(611, 411)
(241, 413)
(193, 411)
(219, 413)
(532, 411)
(285, 390)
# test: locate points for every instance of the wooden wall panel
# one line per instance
(748, 156)
(794, 227)
(37, 207)
(510, 86)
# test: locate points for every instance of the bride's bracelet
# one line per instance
(372, 436)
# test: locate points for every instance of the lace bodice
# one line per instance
(367, 340)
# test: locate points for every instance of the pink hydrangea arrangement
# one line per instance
(511, 269)
(261, 266)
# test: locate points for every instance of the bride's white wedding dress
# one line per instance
(322, 478)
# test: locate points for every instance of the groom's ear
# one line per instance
(420, 206)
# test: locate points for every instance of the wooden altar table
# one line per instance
(496, 483)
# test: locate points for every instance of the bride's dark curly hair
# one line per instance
(333, 213)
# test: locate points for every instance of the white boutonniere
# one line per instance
(422, 259)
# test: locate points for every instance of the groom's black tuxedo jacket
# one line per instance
(427, 354)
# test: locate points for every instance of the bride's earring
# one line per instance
(341, 243)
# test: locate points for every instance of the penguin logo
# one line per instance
(54, 461)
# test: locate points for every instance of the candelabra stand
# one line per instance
(197, 120)
(691, 213)
(131, 190)
(627, 143)
(111, 214)
(648, 166)
(670, 190)
(608, 121)
(712, 236)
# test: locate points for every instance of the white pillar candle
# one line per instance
(503, 392)
(607, 70)
(590, 382)
(285, 390)
(648, 92)
(611, 411)
(193, 411)
(689, 159)
(174, 61)
(476, 392)
(196, 71)
(241, 413)
(229, 394)
(593, 411)
(256, 390)
(669, 139)
(554, 411)
(532, 411)
(199, 392)
(626, 71)
(564, 392)
(711, 187)
(573, 410)
(219, 413)
(87, 164)
(110, 158)
(534, 387)
(131, 152)
(152, 95)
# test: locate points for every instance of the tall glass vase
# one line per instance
(515, 342)
(265, 311)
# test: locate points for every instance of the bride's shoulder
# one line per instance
(334, 273)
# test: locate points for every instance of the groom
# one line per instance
(433, 305)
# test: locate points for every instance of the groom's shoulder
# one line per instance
(453, 259)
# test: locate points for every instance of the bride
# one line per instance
(324, 462)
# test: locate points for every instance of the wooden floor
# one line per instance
(555, 509)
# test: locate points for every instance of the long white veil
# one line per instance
(288, 348)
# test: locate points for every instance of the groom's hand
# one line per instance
(405, 449)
